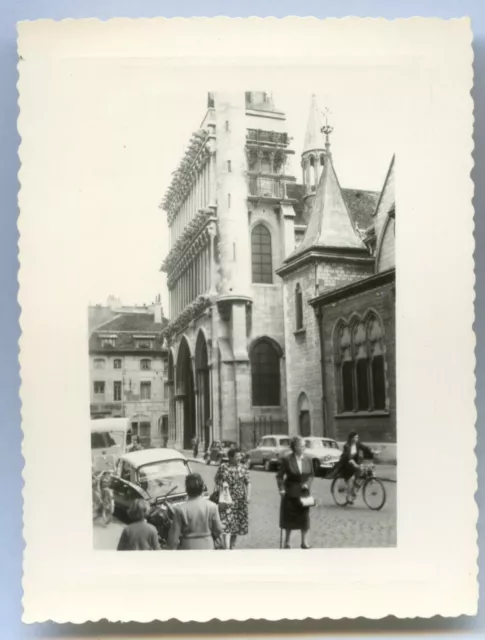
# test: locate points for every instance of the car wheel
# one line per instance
(267, 465)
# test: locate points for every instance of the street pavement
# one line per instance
(331, 526)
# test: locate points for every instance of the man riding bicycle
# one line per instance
(349, 466)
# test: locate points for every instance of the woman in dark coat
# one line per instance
(294, 478)
(349, 465)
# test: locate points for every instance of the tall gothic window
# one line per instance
(265, 374)
(298, 307)
(261, 255)
(360, 366)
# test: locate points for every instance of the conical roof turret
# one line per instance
(330, 225)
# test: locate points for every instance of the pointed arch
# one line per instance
(360, 363)
(265, 372)
(185, 392)
(261, 254)
(203, 388)
(304, 415)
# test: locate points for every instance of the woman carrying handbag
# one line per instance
(294, 479)
(232, 480)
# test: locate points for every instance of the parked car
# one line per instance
(150, 474)
(268, 451)
(155, 475)
(324, 454)
(218, 451)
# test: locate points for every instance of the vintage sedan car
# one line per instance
(218, 451)
(156, 475)
(268, 451)
(324, 454)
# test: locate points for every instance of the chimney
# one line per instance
(157, 310)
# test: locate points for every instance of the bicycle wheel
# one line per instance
(374, 494)
(339, 492)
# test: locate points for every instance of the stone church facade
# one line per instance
(245, 262)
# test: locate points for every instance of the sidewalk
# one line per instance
(386, 472)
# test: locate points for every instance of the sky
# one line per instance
(142, 129)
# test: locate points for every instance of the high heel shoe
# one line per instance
(306, 546)
(287, 546)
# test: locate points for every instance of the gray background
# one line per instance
(11, 540)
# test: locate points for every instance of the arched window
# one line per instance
(360, 366)
(322, 160)
(261, 255)
(265, 374)
(298, 307)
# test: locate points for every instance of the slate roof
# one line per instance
(360, 203)
(126, 326)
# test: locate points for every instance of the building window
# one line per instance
(145, 364)
(361, 366)
(99, 363)
(117, 391)
(227, 125)
(99, 388)
(145, 390)
(117, 363)
(262, 266)
(322, 160)
(229, 166)
(298, 307)
(108, 342)
(265, 375)
(144, 343)
(229, 200)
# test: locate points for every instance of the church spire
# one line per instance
(314, 148)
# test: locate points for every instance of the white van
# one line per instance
(109, 440)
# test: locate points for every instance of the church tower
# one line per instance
(315, 150)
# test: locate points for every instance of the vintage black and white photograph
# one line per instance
(228, 342)
(251, 404)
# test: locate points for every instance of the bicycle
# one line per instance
(373, 490)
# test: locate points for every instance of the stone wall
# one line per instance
(303, 362)
(379, 427)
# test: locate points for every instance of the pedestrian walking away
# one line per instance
(195, 446)
(234, 518)
(139, 535)
(294, 480)
(196, 523)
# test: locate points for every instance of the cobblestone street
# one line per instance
(331, 526)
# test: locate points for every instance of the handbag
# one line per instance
(308, 501)
(225, 500)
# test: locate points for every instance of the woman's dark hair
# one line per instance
(231, 454)
(294, 441)
(138, 510)
(194, 485)
(352, 435)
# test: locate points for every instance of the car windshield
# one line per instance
(313, 444)
(106, 439)
(330, 444)
(160, 478)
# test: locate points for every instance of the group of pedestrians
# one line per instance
(213, 524)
